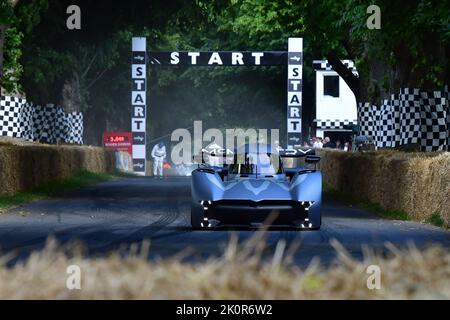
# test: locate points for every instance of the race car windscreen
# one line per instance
(253, 163)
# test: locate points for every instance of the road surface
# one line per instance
(115, 214)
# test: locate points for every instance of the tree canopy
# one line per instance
(89, 69)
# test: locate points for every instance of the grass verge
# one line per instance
(371, 207)
(82, 179)
(434, 219)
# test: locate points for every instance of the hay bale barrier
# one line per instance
(415, 183)
(25, 167)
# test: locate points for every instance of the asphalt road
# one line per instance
(115, 214)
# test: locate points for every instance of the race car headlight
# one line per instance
(307, 204)
(205, 204)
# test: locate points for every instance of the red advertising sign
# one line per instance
(121, 141)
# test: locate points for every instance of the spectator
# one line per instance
(328, 143)
(347, 146)
(317, 143)
(339, 145)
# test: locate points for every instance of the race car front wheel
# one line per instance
(196, 218)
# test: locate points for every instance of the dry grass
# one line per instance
(238, 274)
(25, 167)
(415, 183)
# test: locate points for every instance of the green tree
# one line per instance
(16, 17)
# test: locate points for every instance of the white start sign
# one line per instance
(294, 91)
(139, 103)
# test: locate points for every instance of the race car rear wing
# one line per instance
(307, 153)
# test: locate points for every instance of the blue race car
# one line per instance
(255, 189)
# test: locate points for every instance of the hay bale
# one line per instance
(25, 167)
(416, 183)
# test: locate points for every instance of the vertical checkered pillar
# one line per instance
(139, 103)
(366, 119)
(294, 96)
(447, 95)
(433, 116)
(410, 116)
(396, 122)
(10, 109)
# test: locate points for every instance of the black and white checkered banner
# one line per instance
(435, 121)
(411, 117)
(47, 124)
(294, 91)
(139, 103)
(10, 108)
(324, 65)
(334, 124)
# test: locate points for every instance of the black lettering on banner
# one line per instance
(138, 98)
(294, 125)
(138, 125)
(294, 100)
(139, 71)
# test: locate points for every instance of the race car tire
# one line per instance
(196, 219)
(320, 224)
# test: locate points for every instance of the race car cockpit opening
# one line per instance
(256, 164)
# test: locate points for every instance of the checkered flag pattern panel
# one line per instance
(448, 118)
(10, 116)
(334, 124)
(366, 119)
(75, 120)
(48, 124)
(26, 121)
(384, 126)
(412, 117)
(396, 125)
(434, 121)
(325, 66)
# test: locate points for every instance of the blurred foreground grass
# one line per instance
(239, 273)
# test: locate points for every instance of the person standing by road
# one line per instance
(158, 155)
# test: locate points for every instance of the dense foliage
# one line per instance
(89, 69)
